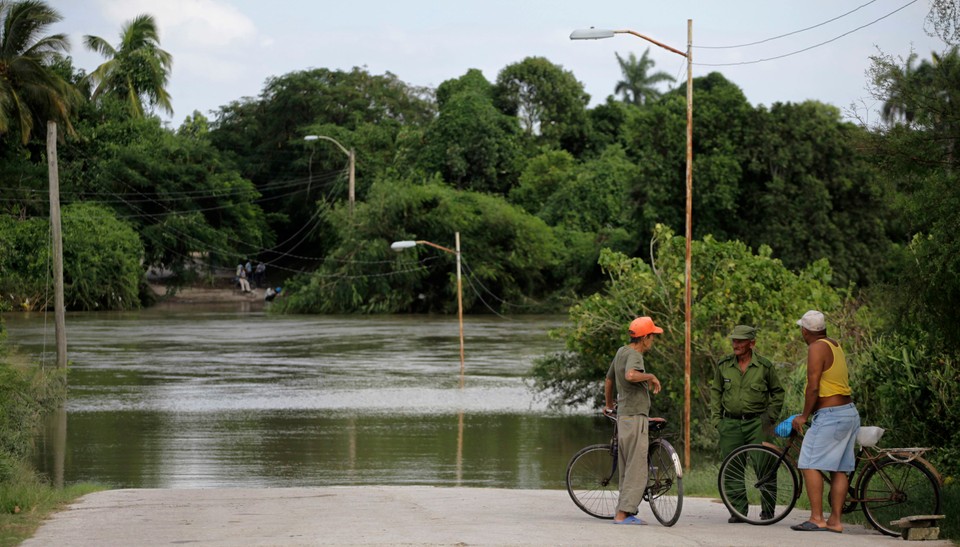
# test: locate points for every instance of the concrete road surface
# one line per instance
(399, 515)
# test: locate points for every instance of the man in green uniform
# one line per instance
(745, 401)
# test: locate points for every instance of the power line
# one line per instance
(789, 33)
(813, 46)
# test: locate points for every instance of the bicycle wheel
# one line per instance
(593, 481)
(665, 483)
(757, 486)
(895, 490)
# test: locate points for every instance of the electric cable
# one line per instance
(755, 61)
(789, 33)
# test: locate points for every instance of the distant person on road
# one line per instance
(260, 275)
(828, 443)
(633, 386)
(746, 398)
(244, 284)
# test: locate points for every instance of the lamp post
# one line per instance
(596, 34)
(401, 245)
(349, 154)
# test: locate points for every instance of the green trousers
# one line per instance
(735, 433)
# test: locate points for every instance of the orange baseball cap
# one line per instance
(643, 326)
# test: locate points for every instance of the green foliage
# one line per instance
(730, 284)
(549, 101)
(373, 114)
(506, 254)
(918, 151)
(794, 178)
(815, 193)
(176, 189)
(638, 87)
(656, 139)
(542, 176)
(260, 131)
(911, 391)
(101, 260)
(593, 199)
(32, 91)
(25, 395)
(136, 70)
(471, 144)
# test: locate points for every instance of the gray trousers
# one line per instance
(634, 442)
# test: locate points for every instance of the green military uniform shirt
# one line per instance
(756, 391)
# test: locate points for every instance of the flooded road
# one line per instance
(192, 396)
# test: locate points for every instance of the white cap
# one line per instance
(813, 321)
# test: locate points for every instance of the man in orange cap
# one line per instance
(633, 386)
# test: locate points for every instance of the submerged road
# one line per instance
(399, 515)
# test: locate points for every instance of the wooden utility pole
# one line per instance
(59, 416)
(59, 317)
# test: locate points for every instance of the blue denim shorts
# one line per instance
(828, 444)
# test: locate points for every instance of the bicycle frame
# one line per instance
(866, 458)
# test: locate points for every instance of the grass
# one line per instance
(26, 502)
(950, 527)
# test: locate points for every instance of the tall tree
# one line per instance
(31, 92)
(471, 144)
(549, 101)
(137, 70)
(638, 85)
(923, 159)
(898, 80)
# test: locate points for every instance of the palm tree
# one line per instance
(137, 70)
(901, 99)
(637, 87)
(30, 90)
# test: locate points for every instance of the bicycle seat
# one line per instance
(657, 424)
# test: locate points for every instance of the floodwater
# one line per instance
(194, 396)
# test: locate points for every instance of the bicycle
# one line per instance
(760, 483)
(593, 477)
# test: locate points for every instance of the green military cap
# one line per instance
(744, 332)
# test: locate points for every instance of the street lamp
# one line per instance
(401, 245)
(597, 34)
(349, 154)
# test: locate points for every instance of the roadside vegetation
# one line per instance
(561, 207)
(27, 394)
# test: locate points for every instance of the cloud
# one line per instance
(197, 23)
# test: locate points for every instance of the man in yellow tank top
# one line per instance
(828, 443)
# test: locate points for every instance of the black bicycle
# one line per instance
(593, 477)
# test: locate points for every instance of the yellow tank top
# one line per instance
(836, 379)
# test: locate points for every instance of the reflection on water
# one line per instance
(205, 397)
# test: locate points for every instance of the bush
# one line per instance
(902, 385)
(101, 261)
(731, 285)
(506, 254)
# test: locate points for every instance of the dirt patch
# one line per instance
(204, 294)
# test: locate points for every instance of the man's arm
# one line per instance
(777, 394)
(638, 377)
(716, 396)
(608, 401)
(816, 360)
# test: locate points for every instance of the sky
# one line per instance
(224, 50)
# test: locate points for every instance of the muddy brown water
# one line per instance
(232, 396)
